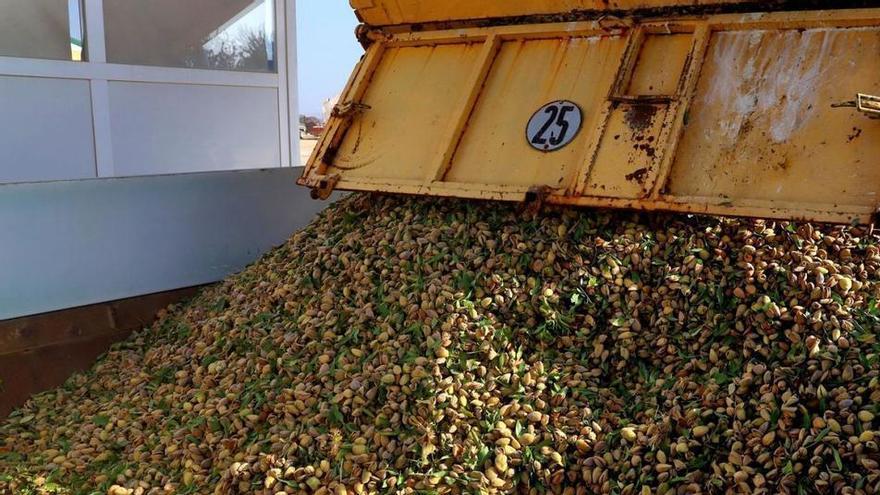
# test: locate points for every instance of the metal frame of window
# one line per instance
(99, 73)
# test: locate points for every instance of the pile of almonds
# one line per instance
(419, 346)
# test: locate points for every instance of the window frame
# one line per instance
(272, 67)
(99, 73)
(68, 46)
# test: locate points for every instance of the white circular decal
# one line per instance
(554, 126)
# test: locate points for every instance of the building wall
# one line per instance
(129, 174)
(220, 94)
(73, 243)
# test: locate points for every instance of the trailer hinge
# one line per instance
(367, 35)
(361, 33)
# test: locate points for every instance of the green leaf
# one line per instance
(483, 455)
(822, 434)
(774, 416)
(335, 416)
(619, 321)
(52, 487)
(101, 420)
(806, 422)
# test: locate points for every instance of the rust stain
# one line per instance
(746, 128)
(641, 116)
(783, 164)
(857, 133)
(522, 16)
(638, 176)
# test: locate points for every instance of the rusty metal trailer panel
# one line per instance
(394, 12)
(763, 115)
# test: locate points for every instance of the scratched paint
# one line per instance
(768, 75)
(766, 123)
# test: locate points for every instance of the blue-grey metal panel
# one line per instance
(68, 244)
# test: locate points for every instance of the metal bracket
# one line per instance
(367, 35)
(535, 198)
(348, 110)
(614, 25)
(322, 186)
(362, 33)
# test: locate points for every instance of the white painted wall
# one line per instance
(180, 128)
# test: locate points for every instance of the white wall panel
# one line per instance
(45, 129)
(177, 128)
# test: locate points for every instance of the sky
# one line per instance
(75, 17)
(253, 21)
(327, 50)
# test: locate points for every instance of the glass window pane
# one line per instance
(41, 29)
(203, 34)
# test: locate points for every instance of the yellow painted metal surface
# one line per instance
(526, 75)
(390, 12)
(397, 137)
(745, 115)
(762, 126)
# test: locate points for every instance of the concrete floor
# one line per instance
(306, 146)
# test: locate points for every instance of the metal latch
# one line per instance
(867, 104)
(870, 105)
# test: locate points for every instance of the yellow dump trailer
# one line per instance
(699, 106)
